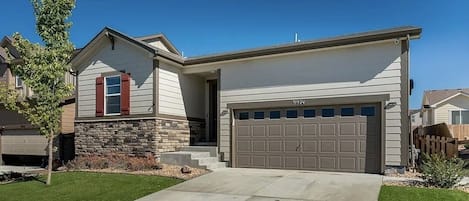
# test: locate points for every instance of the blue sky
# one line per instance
(439, 60)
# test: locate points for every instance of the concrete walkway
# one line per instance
(237, 184)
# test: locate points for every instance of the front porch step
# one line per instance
(212, 149)
(196, 159)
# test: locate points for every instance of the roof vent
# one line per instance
(297, 40)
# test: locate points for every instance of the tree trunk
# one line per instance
(1, 159)
(49, 166)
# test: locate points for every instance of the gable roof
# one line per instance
(161, 37)
(435, 97)
(7, 42)
(109, 32)
(173, 55)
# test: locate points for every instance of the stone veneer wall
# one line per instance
(172, 134)
(133, 137)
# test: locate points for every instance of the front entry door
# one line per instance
(213, 108)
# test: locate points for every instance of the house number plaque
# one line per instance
(299, 102)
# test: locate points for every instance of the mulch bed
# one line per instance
(414, 180)
(173, 171)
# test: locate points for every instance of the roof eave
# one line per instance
(113, 32)
(412, 32)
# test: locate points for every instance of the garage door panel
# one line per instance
(274, 130)
(309, 146)
(328, 146)
(275, 161)
(348, 146)
(259, 146)
(309, 130)
(292, 130)
(243, 131)
(309, 162)
(292, 161)
(328, 129)
(348, 163)
(327, 162)
(243, 160)
(259, 161)
(292, 146)
(348, 129)
(275, 146)
(258, 131)
(243, 146)
(349, 143)
(23, 142)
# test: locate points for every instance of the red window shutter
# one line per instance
(100, 96)
(125, 94)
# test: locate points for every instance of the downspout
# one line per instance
(412, 147)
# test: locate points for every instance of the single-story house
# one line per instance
(334, 104)
(450, 106)
(20, 142)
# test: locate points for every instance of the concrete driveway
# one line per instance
(237, 184)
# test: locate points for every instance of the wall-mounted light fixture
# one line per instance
(390, 105)
(224, 112)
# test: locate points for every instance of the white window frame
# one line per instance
(451, 115)
(16, 82)
(106, 95)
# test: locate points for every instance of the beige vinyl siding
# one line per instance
(443, 110)
(186, 101)
(353, 71)
(124, 57)
(159, 44)
(68, 119)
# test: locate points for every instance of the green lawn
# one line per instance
(86, 186)
(399, 193)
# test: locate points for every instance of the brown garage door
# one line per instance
(330, 138)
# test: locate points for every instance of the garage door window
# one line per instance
(368, 111)
(346, 112)
(274, 115)
(292, 114)
(258, 115)
(329, 112)
(309, 113)
(243, 115)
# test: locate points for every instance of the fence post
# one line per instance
(427, 144)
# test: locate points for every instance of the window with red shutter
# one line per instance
(100, 96)
(112, 95)
(125, 94)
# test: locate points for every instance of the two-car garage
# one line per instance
(327, 138)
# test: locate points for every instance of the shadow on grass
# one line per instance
(20, 179)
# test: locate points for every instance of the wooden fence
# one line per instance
(431, 144)
(460, 131)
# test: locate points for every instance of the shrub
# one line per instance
(113, 161)
(441, 171)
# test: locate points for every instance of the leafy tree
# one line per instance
(43, 68)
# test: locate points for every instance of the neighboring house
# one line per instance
(336, 104)
(19, 141)
(450, 106)
(415, 118)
